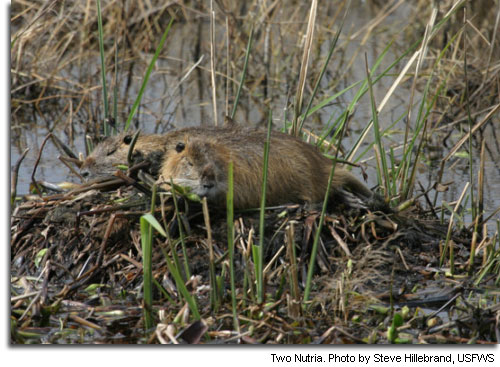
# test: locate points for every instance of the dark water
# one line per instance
(168, 104)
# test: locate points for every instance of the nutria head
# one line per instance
(113, 151)
(196, 164)
(107, 155)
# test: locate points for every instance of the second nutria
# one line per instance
(297, 172)
(112, 152)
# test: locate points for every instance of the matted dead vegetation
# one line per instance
(77, 258)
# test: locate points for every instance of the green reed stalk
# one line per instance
(147, 244)
(181, 286)
(471, 124)
(103, 69)
(115, 88)
(293, 269)
(211, 258)
(376, 130)
(243, 74)
(479, 218)
(146, 77)
(364, 88)
(314, 250)
(491, 266)
(146, 227)
(359, 94)
(230, 240)
(181, 232)
(259, 260)
(174, 269)
(173, 245)
(420, 129)
(454, 213)
(148, 222)
(131, 147)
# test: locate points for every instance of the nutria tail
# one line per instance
(355, 186)
(356, 195)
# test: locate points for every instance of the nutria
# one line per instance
(198, 157)
(297, 171)
(104, 160)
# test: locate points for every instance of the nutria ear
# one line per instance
(179, 147)
(127, 139)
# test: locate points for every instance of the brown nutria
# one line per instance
(104, 160)
(297, 171)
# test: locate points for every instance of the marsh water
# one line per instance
(171, 101)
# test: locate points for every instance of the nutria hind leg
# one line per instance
(353, 201)
(378, 203)
(349, 199)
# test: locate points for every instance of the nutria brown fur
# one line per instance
(104, 160)
(297, 171)
(198, 158)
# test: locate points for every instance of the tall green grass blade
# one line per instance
(337, 125)
(115, 89)
(230, 240)
(329, 100)
(163, 291)
(243, 74)
(376, 130)
(492, 262)
(148, 217)
(181, 232)
(181, 286)
(211, 258)
(147, 244)
(131, 148)
(471, 124)
(314, 250)
(421, 126)
(103, 69)
(454, 215)
(147, 223)
(146, 77)
(364, 88)
(369, 146)
(293, 269)
(259, 260)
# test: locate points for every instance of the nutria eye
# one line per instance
(127, 139)
(111, 151)
(179, 147)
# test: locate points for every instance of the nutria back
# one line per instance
(297, 171)
(198, 157)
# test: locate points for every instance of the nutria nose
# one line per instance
(209, 185)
